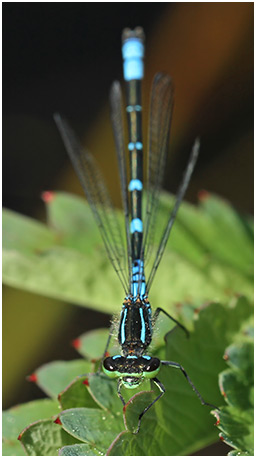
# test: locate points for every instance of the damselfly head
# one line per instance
(131, 369)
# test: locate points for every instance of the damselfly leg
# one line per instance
(156, 315)
(162, 390)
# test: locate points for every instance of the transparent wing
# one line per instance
(161, 106)
(98, 198)
(116, 103)
(180, 194)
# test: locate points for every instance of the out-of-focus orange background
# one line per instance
(63, 57)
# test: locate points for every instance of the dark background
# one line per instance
(64, 57)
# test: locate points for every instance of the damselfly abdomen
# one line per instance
(133, 365)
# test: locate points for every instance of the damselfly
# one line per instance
(132, 366)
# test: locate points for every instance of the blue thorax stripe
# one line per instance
(143, 327)
(123, 327)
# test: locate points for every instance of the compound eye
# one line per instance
(109, 364)
(152, 365)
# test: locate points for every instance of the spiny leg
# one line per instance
(156, 314)
(162, 391)
(119, 384)
(178, 366)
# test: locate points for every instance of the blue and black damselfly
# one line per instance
(133, 366)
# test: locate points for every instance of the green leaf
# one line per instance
(76, 394)
(44, 438)
(63, 273)
(232, 244)
(92, 344)
(103, 390)
(236, 383)
(12, 448)
(229, 240)
(238, 453)
(53, 377)
(92, 426)
(25, 234)
(237, 429)
(208, 256)
(135, 405)
(79, 450)
(17, 418)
